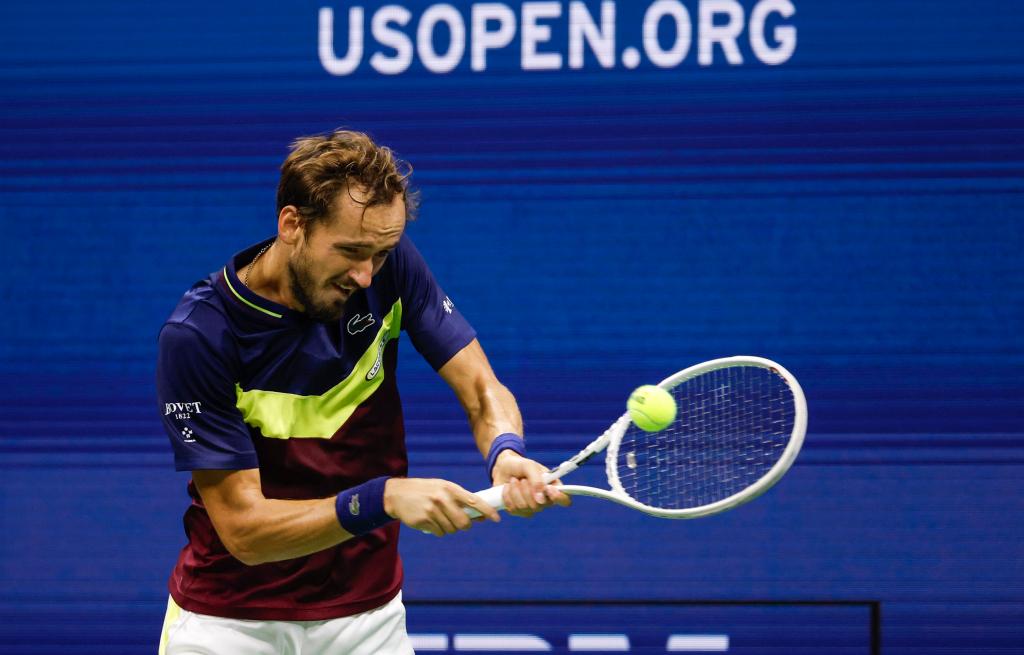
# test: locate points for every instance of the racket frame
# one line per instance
(612, 438)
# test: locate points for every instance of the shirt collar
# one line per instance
(246, 296)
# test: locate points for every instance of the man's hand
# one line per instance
(433, 506)
(525, 492)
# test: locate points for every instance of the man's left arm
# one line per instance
(492, 411)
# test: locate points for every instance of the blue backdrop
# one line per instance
(612, 191)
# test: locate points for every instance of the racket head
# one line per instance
(740, 424)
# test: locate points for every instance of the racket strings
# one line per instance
(732, 426)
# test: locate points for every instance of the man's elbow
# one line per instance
(248, 557)
(244, 547)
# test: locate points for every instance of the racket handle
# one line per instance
(490, 496)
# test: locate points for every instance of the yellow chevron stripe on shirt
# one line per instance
(280, 415)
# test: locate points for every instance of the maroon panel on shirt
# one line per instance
(321, 586)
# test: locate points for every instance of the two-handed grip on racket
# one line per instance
(493, 497)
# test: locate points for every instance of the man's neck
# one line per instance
(267, 276)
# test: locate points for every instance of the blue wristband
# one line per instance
(506, 441)
(361, 508)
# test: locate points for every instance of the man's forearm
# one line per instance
(273, 530)
(489, 405)
(496, 413)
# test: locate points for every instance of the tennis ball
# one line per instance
(651, 408)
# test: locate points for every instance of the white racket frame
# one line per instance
(612, 438)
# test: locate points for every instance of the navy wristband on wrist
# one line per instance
(506, 441)
(361, 508)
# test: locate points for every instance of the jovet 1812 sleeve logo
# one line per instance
(183, 411)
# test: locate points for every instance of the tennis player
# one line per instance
(276, 382)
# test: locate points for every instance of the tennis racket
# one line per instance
(739, 426)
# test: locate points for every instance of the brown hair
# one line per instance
(322, 166)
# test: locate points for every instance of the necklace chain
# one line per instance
(248, 269)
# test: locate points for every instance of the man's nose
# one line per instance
(362, 273)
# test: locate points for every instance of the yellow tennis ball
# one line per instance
(651, 408)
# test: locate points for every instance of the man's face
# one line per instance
(340, 254)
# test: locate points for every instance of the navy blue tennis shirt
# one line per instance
(246, 383)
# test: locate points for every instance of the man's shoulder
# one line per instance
(202, 310)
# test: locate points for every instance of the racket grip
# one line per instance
(490, 496)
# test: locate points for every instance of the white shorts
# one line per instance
(379, 631)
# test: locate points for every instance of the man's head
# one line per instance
(342, 204)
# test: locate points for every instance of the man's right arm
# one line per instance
(256, 529)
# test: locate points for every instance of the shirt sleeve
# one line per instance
(437, 329)
(196, 395)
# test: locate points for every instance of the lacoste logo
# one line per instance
(358, 323)
(372, 373)
(353, 505)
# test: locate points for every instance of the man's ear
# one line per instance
(291, 226)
